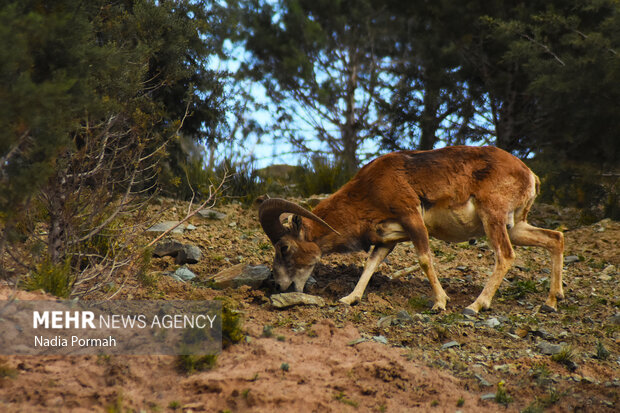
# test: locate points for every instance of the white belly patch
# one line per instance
(455, 224)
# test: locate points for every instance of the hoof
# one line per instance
(348, 300)
(469, 312)
(547, 309)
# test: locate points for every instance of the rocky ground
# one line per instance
(389, 353)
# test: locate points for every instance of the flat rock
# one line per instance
(241, 274)
(451, 344)
(356, 341)
(165, 226)
(290, 299)
(211, 214)
(570, 259)
(547, 348)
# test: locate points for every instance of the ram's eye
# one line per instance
(284, 249)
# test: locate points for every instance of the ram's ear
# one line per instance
(296, 226)
(286, 247)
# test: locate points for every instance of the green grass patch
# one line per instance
(419, 304)
(342, 398)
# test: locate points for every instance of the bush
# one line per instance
(322, 176)
(54, 279)
(592, 188)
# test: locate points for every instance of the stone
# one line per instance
(489, 396)
(211, 214)
(285, 300)
(380, 339)
(165, 226)
(492, 322)
(482, 380)
(571, 259)
(450, 344)
(539, 332)
(167, 247)
(189, 254)
(241, 274)
(183, 274)
(547, 348)
(386, 321)
(403, 316)
(522, 332)
(356, 341)
(615, 319)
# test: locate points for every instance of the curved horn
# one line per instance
(269, 216)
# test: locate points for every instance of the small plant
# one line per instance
(419, 304)
(174, 405)
(541, 373)
(116, 406)
(521, 288)
(6, 371)
(281, 338)
(245, 393)
(601, 352)
(341, 397)
(540, 404)
(284, 367)
(189, 364)
(146, 278)
(312, 333)
(460, 402)
(564, 356)
(268, 331)
(434, 403)
(502, 396)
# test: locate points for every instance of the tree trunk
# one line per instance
(429, 122)
(349, 128)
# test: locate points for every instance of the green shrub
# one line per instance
(243, 183)
(232, 331)
(189, 364)
(592, 188)
(55, 279)
(322, 176)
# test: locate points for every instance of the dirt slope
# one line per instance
(341, 359)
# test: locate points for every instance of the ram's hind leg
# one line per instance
(553, 241)
(495, 228)
(377, 255)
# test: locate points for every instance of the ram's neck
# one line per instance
(344, 220)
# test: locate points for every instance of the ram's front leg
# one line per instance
(377, 256)
(419, 236)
